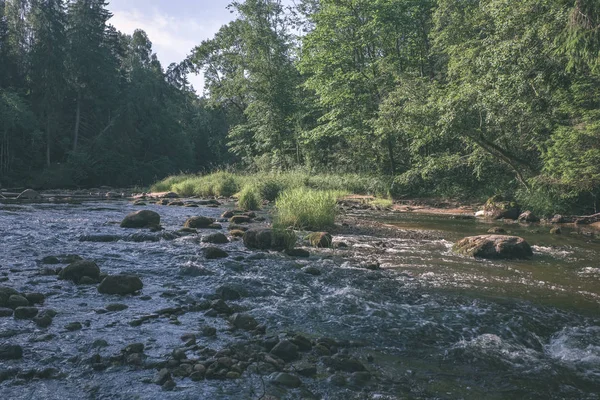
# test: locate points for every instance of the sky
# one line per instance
(175, 27)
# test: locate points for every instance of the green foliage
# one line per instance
(249, 198)
(304, 208)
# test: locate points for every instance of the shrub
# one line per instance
(249, 198)
(306, 208)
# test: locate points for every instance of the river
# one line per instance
(427, 325)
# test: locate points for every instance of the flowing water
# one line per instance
(428, 325)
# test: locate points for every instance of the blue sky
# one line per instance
(174, 26)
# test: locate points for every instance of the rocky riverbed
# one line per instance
(387, 312)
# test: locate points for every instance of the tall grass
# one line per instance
(270, 185)
(249, 198)
(304, 208)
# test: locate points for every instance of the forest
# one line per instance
(443, 98)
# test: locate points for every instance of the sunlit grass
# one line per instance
(304, 208)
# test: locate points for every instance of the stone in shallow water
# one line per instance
(16, 300)
(199, 222)
(285, 379)
(141, 219)
(213, 253)
(215, 238)
(79, 269)
(494, 247)
(25, 312)
(6, 312)
(243, 321)
(285, 350)
(120, 284)
(10, 352)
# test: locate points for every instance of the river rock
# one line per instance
(10, 352)
(26, 312)
(269, 239)
(528, 216)
(5, 294)
(199, 222)
(345, 363)
(240, 219)
(215, 238)
(320, 239)
(44, 319)
(298, 253)
(6, 312)
(558, 219)
(50, 260)
(29, 194)
(79, 269)
(494, 247)
(162, 377)
(497, 207)
(141, 219)
(212, 253)
(497, 230)
(285, 350)
(120, 284)
(556, 231)
(35, 298)
(243, 321)
(236, 233)
(16, 300)
(285, 379)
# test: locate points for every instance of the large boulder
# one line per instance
(29, 194)
(79, 269)
(120, 284)
(269, 239)
(494, 247)
(141, 219)
(199, 222)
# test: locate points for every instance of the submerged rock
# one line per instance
(269, 239)
(285, 379)
(141, 219)
(120, 284)
(298, 253)
(494, 247)
(213, 253)
(243, 321)
(285, 350)
(76, 271)
(10, 352)
(199, 222)
(26, 312)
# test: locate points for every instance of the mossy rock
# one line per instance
(199, 222)
(494, 247)
(269, 239)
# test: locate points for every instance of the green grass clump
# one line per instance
(271, 185)
(249, 198)
(166, 185)
(303, 208)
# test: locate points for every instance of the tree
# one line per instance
(47, 72)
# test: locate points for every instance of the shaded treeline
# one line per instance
(451, 98)
(82, 104)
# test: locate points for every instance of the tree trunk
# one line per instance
(48, 140)
(390, 146)
(77, 122)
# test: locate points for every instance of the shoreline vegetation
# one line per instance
(436, 98)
